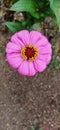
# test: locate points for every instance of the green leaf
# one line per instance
(36, 26)
(32, 128)
(55, 5)
(14, 26)
(40, 129)
(26, 6)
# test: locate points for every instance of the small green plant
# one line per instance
(55, 6)
(34, 128)
(35, 12)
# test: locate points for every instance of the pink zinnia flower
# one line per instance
(29, 52)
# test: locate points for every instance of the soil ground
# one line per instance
(28, 101)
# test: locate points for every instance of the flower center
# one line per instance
(29, 52)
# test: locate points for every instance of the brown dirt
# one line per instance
(28, 101)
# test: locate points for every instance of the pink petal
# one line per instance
(16, 40)
(27, 68)
(24, 68)
(45, 50)
(14, 59)
(35, 36)
(42, 42)
(40, 65)
(46, 58)
(32, 70)
(24, 37)
(12, 47)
